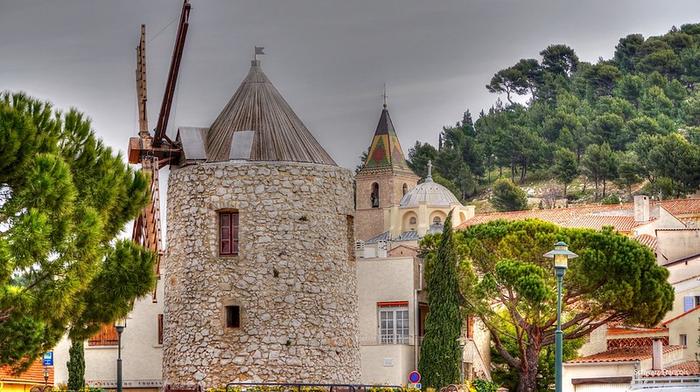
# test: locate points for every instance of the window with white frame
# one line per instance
(393, 323)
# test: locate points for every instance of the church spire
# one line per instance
(385, 151)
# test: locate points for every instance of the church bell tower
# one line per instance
(383, 180)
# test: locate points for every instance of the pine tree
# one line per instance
(441, 353)
(565, 167)
(508, 197)
(64, 198)
(76, 366)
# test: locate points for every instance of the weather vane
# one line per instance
(258, 50)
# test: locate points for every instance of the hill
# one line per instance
(631, 123)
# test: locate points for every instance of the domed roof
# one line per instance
(430, 193)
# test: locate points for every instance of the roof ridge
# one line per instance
(680, 315)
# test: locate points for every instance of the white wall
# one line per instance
(677, 244)
(585, 370)
(384, 280)
(141, 354)
(387, 364)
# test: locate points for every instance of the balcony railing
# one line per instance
(672, 383)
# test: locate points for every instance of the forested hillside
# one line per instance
(630, 120)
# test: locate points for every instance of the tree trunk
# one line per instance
(603, 188)
(523, 173)
(595, 180)
(565, 191)
(529, 366)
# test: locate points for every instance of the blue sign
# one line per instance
(414, 377)
(418, 385)
(48, 358)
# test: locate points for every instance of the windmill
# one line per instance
(156, 151)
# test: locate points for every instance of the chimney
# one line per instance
(641, 208)
(657, 354)
(382, 249)
(359, 249)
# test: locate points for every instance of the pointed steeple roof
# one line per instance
(385, 151)
(258, 124)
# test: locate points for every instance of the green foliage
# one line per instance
(480, 385)
(508, 196)
(64, 197)
(599, 164)
(565, 167)
(647, 88)
(441, 354)
(614, 278)
(76, 366)
(611, 199)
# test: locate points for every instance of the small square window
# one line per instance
(233, 316)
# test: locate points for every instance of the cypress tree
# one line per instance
(76, 366)
(441, 354)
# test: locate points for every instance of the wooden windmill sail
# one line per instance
(155, 152)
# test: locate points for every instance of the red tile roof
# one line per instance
(620, 330)
(690, 368)
(33, 375)
(646, 239)
(557, 215)
(593, 216)
(623, 355)
(680, 315)
(597, 222)
(679, 207)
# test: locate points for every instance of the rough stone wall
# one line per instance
(293, 278)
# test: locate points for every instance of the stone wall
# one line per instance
(293, 278)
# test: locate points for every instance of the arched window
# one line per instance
(405, 188)
(437, 220)
(412, 221)
(374, 198)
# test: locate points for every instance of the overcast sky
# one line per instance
(329, 58)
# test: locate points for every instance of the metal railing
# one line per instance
(641, 383)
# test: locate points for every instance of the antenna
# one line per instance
(385, 96)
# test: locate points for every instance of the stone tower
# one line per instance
(383, 180)
(260, 281)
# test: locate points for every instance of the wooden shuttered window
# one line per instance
(160, 329)
(107, 336)
(228, 233)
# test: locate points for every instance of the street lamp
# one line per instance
(561, 255)
(119, 325)
(46, 377)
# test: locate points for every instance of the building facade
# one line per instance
(261, 278)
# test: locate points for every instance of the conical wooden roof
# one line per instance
(258, 124)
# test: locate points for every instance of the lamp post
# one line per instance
(119, 325)
(46, 377)
(561, 255)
